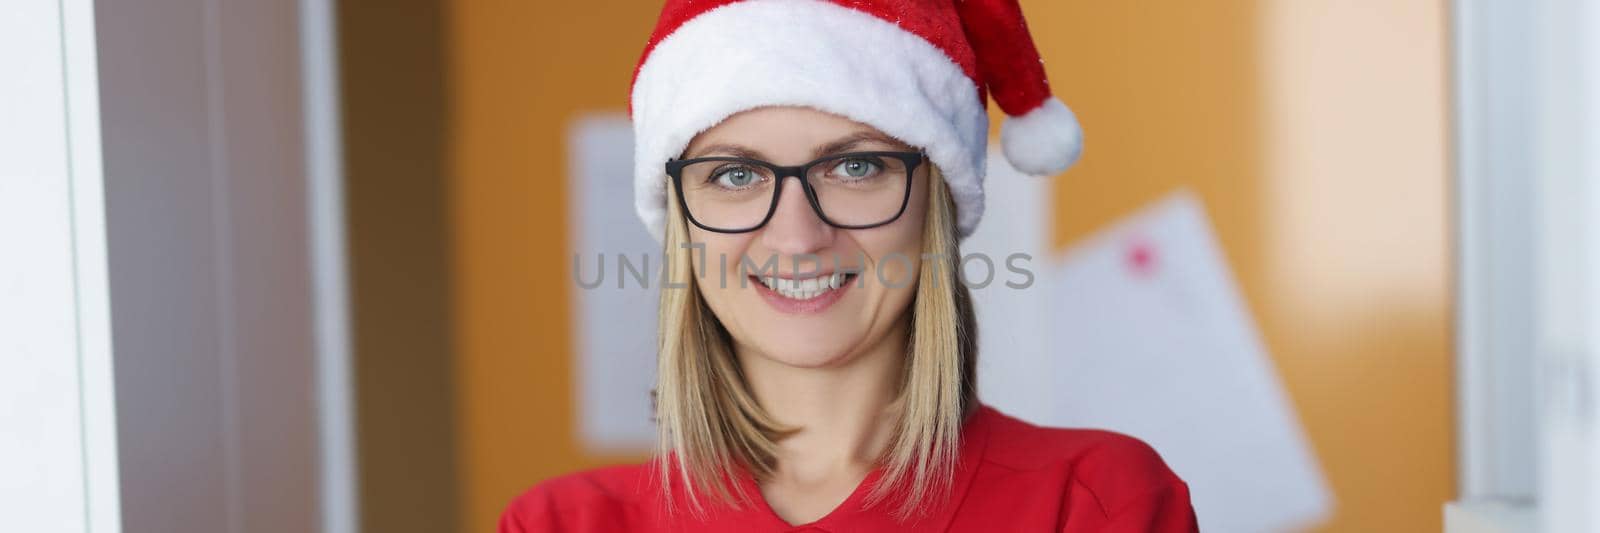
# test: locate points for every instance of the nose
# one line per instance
(795, 228)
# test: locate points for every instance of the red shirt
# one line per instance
(1012, 476)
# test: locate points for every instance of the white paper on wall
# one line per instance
(1151, 338)
(1013, 323)
(615, 322)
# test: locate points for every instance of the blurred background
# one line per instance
(1316, 133)
(338, 235)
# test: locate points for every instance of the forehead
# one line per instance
(789, 132)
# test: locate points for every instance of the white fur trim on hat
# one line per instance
(1043, 141)
(805, 53)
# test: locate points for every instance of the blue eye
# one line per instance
(735, 177)
(857, 168)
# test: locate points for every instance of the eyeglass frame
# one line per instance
(675, 168)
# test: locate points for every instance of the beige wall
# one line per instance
(1314, 130)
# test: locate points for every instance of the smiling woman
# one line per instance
(817, 355)
(849, 345)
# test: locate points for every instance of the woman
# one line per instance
(817, 349)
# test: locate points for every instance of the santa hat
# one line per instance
(914, 69)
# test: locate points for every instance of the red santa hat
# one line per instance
(917, 70)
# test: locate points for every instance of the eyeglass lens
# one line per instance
(851, 190)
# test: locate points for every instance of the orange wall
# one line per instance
(1313, 129)
(520, 71)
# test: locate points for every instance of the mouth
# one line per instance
(810, 295)
(806, 289)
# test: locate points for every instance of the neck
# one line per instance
(845, 414)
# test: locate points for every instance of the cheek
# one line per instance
(897, 248)
(716, 265)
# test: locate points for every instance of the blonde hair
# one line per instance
(707, 416)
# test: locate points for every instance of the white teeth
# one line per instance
(805, 289)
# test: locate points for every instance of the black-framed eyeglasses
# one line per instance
(855, 190)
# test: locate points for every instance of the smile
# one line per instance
(804, 296)
(806, 289)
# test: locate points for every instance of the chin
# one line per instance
(804, 351)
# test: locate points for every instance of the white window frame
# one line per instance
(174, 348)
(58, 432)
(1528, 322)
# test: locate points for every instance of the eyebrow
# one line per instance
(840, 145)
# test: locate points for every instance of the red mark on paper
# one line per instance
(1141, 258)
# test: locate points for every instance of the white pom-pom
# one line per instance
(1043, 141)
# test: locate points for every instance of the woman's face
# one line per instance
(815, 326)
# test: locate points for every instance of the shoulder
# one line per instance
(586, 500)
(1116, 468)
